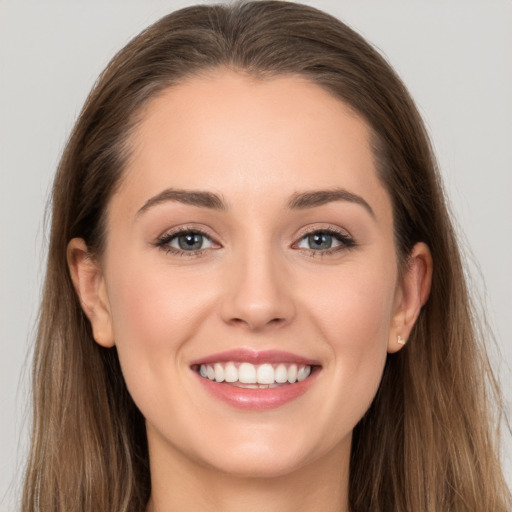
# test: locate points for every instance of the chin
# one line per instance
(259, 465)
(273, 455)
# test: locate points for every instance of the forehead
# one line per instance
(233, 134)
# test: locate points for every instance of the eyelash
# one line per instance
(346, 242)
(164, 241)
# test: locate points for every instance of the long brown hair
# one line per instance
(427, 443)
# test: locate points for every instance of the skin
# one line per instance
(258, 285)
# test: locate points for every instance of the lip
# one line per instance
(256, 399)
(241, 355)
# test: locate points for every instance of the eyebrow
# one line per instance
(191, 197)
(301, 201)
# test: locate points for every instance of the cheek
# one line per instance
(140, 311)
(354, 316)
(354, 307)
(154, 304)
(154, 312)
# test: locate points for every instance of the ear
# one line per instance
(411, 294)
(89, 284)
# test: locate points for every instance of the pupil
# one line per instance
(320, 241)
(190, 241)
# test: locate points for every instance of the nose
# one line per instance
(258, 294)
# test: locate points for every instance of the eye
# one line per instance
(190, 241)
(183, 241)
(317, 241)
(325, 240)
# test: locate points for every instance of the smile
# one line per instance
(248, 375)
(256, 380)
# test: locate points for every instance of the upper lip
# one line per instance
(255, 357)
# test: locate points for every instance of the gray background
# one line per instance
(455, 57)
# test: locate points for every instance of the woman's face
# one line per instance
(249, 241)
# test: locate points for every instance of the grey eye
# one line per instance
(319, 241)
(190, 241)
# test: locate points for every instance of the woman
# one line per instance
(265, 305)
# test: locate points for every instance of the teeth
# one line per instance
(292, 373)
(247, 373)
(281, 374)
(261, 376)
(265, 374)
(219, 372)
(303, 373)
(230, 372)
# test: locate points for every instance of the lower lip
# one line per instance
(257, 399)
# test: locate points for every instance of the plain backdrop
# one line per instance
(455, 57)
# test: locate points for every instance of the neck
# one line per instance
(178, 483)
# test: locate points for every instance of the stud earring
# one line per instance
(400, 341)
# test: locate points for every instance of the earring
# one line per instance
(400, 341)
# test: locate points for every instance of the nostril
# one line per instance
(255, 324)
(257, 306)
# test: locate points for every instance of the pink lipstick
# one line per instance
(256, 380)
